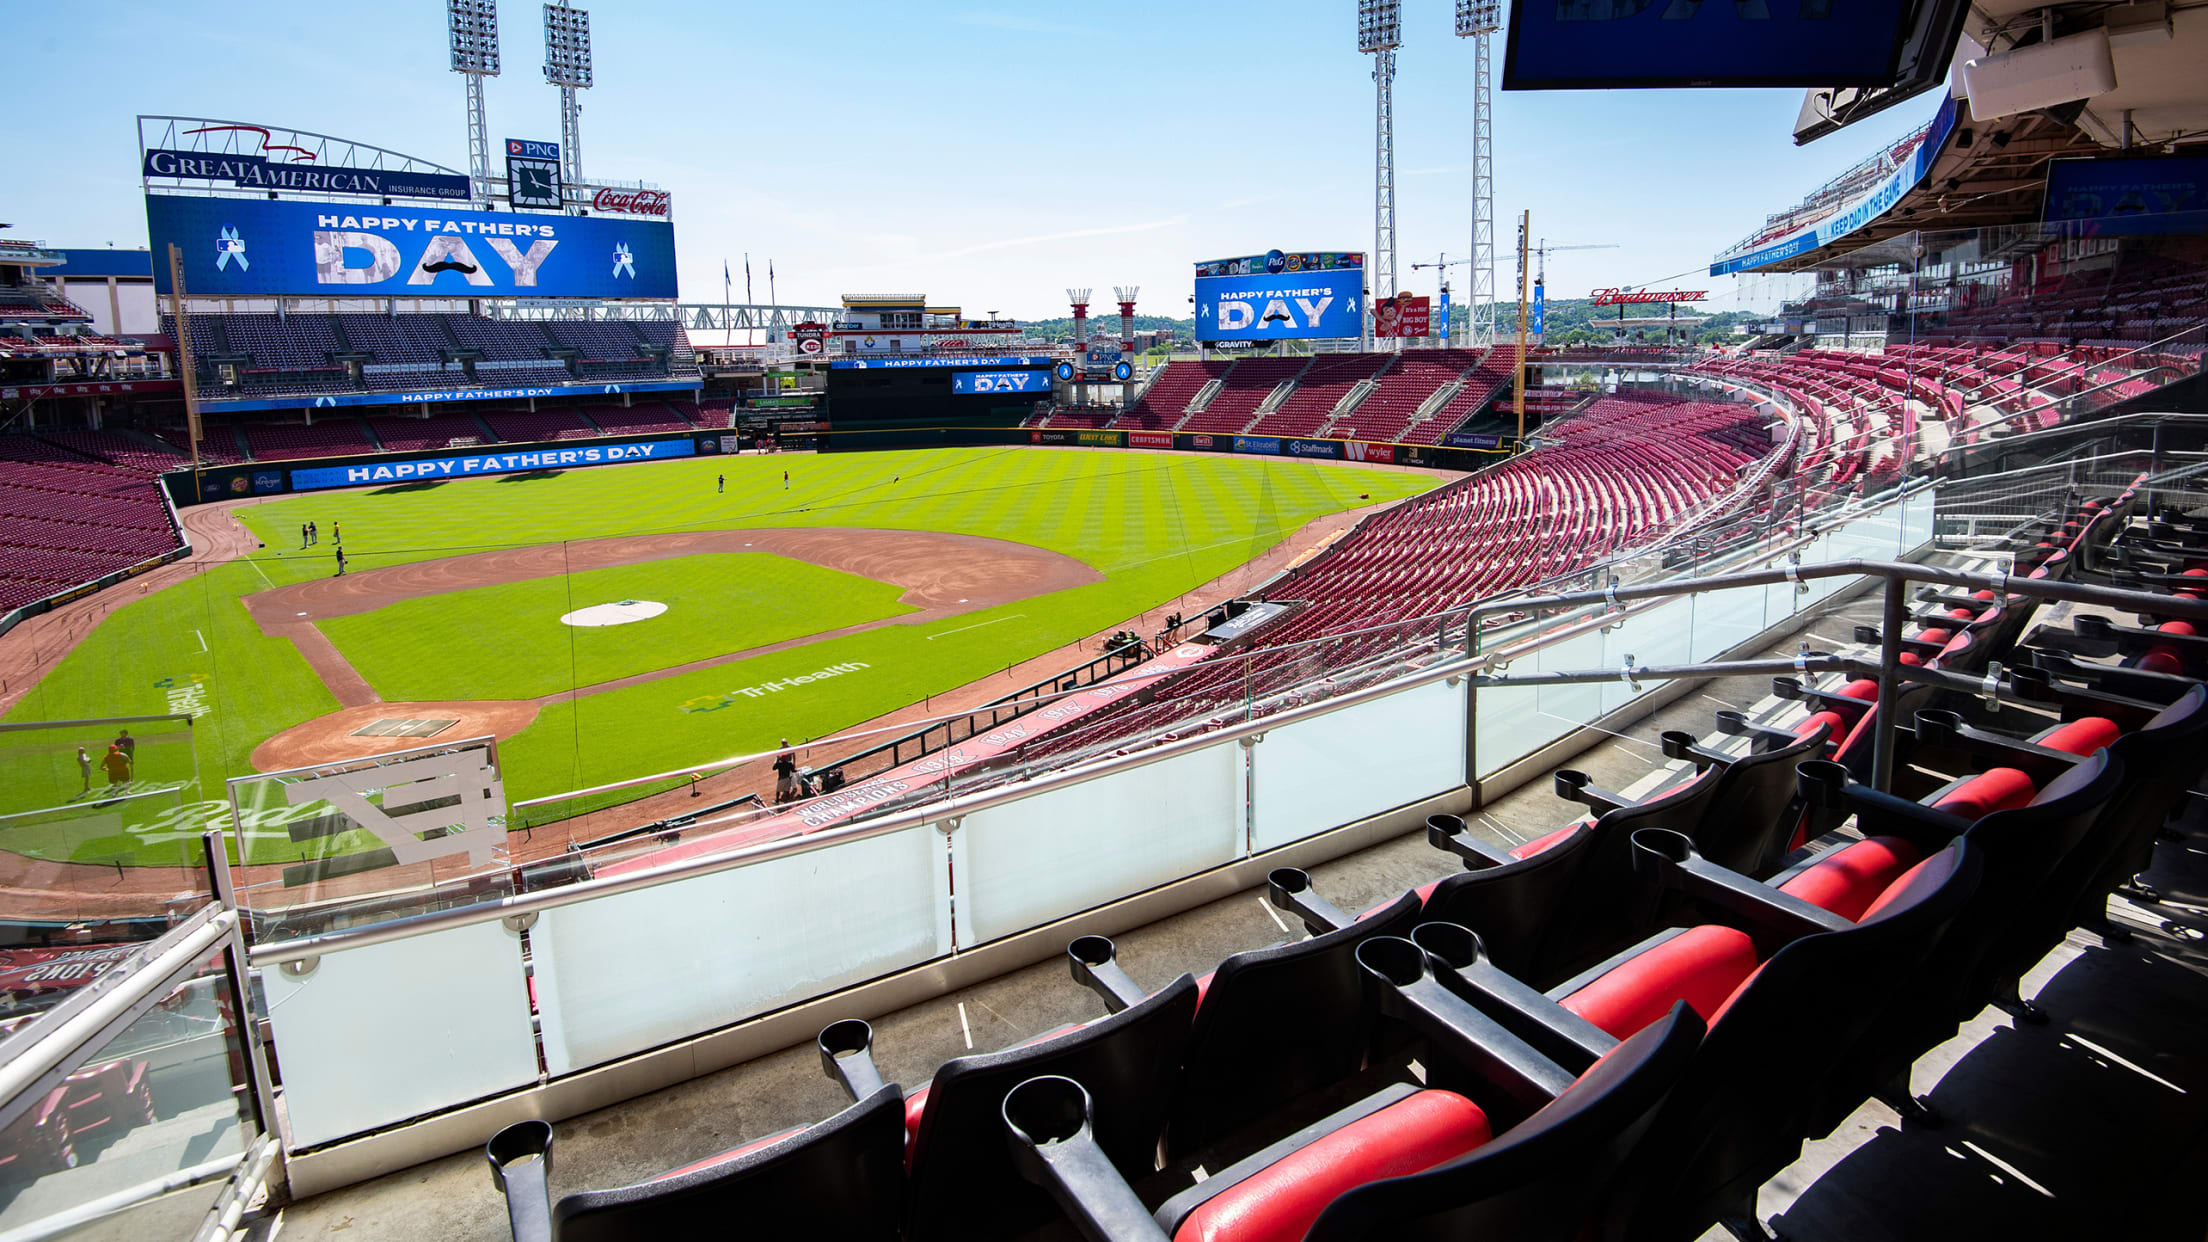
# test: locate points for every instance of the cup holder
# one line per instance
(1047, 1110)
(1822, 783)
(1452, 943)
(1393, 960)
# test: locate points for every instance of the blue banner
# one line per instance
(986, 383)
(892, 364)
(240, 247)
(1605, 44)
(1312, 448)
(2129, 197)
(1256, 444)
(368, 472)
(254, 172)
(1282, 306)
(1441, 317)
(441, 395)
(1870, 206)
(1540, 310)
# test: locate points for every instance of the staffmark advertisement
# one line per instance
(242, 247)
(488, 463)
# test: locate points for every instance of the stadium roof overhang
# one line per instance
(1987, 174)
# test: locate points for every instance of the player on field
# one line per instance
(116, 764)
(786, 787)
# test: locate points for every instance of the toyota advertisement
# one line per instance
(1279, 296)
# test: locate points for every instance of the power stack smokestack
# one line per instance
(1126, 295)
(1080, 300)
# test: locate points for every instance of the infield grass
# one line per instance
(1155, 525)
(508, 642)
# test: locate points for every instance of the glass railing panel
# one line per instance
(373, 1035)
(1510, 723)
(1318, 774)
(1656, 636)
(163, 1096)
(622, 973)
(1071, 849)
(1723, 620)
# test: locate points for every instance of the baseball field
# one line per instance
(606, 623)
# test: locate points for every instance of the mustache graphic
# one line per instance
(1276, 317)
(449, 266)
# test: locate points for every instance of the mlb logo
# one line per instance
(229, 245)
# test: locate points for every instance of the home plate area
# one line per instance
(404, 728)
(620, 613)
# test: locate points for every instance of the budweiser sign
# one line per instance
(631, 202)
(1620, 297)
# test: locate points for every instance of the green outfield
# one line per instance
(1153, 525)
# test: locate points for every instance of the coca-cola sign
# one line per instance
(631, 202)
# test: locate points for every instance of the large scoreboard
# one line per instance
(1280, 296)
(243, 247)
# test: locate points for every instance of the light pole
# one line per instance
(1379, 33)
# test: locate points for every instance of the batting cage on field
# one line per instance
(116, 791)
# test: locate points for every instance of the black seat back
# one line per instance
(843, 1178)
(1739, 1114)
(1758, 808)
(2018, 850)
(2162, 760)
(1544, 1178)
(1277, 1024)
(1515, 906)
(2023, 849)
(964, 1184)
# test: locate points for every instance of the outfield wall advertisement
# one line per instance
(241, 247)
(487, 463)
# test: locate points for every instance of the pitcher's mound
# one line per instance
(615, 614)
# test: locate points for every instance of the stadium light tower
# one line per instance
(1478, 20)
(1380, 32)
(567, 66)
(473, 25)
(1126, 295)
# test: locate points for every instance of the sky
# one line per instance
(988, 155)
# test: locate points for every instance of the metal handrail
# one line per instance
(1896, 575)
(51, 1043)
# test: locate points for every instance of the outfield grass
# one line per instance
(469, 644)
(1155, 525)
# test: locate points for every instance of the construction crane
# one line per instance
(1540, 253)
(1443, 263)
(1541, 256)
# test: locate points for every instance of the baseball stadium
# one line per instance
(1338, 747)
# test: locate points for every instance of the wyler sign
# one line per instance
(259, 248)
